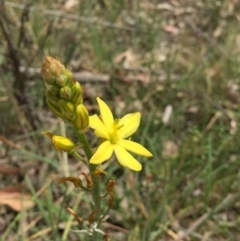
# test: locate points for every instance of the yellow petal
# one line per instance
(100, 129)
(125, 159)
(130, 124)
(134, 147)
(106, 114)
(103, 153)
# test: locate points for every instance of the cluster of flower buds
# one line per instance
(64, 95)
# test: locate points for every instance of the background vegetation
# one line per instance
(177, 62)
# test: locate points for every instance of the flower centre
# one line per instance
(114, 135)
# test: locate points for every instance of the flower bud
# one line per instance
(61, 143)
(65, 93)
(52, 89)
(61, 80)
(66, 108)
(54, 109)
(81, 120)
(77, 94)
(62, 91)
(51, 69)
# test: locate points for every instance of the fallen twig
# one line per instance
(94, 21)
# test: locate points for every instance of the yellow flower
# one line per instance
(114, 133)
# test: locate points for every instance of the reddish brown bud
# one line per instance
(75, 180)
(111, 199)
(88, 180)
(98, 172)
(79, 219)
(91, 217)
(110, 186)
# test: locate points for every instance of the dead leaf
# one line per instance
(218, 32)
(171, 29)
(6, 169)
(9, 142)
(15, 198)
(133, 77)
(127, 58)
(193, 109)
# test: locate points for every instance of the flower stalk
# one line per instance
(96, 186)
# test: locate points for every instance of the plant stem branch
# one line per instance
(96, 185)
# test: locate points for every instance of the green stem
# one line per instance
(75, 154)
(86, 147)
(105, 214)
(96, 184)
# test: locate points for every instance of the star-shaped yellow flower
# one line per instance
(114, 134)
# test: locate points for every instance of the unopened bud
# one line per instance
(54, 109)
(51, 69)
(66, 108)
(77, 94)
(61, 80)
(61, 143)
(52, 89)
(81, 120)
(65, 93)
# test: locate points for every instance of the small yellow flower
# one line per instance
(114, 133)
